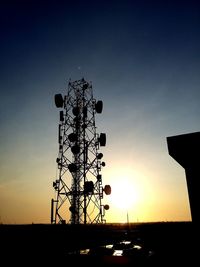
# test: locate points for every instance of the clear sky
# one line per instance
(143, 58)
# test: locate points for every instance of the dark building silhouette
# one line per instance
(185, 149)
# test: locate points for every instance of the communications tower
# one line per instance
(78, 187)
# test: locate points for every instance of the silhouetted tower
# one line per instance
(185, 150)
(79, 189)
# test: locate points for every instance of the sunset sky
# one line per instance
(143, 58)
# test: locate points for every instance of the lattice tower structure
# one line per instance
(78, 187)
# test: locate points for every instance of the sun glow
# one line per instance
(132, 195)
(124, 193)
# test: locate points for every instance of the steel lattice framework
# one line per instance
(79, 189)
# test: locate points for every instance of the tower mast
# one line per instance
(78, 187)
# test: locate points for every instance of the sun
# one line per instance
(124, 193)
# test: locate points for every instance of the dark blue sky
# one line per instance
(111, 42)
(143, 58)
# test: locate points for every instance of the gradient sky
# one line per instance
(143, 58)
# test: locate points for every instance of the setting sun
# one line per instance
(131, 194)
(124, 194)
